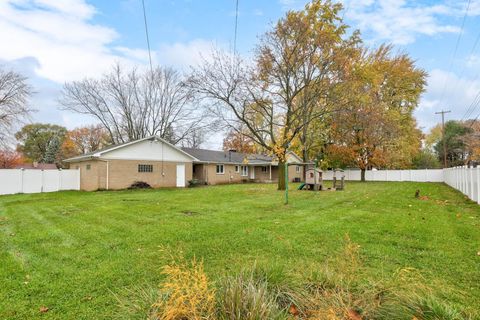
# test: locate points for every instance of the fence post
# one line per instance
(59, 179)
(457, 178)
(21, 185)
(42, 182)
(79, 179)
(478, 184)
(471, 194)
(460, 171)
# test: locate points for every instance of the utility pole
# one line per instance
(443, 136)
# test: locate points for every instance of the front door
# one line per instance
(252, 173)
(180, 175)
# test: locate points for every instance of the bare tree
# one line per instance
(14, 94)
(132, 105)
(289, 86)
(195, 138)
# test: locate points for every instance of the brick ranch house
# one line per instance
(161, 164)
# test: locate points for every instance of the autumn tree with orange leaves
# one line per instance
(240, 142)
(9, 159)
(378, 128)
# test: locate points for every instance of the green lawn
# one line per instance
(75, 251)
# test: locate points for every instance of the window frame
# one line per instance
(220, 165)
(264, 169)
(237, 168)
(297, 169)
(244, 173)
(88, 167)
(144, 168)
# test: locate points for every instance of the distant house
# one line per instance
(36, 166)
(161, 164)
(220, 167)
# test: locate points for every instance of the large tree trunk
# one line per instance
(362, 175)
(305, 160)
(281, 175)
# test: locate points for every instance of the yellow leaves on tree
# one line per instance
(377, 128)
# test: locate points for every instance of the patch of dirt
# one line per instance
(424, 198)
(190, 213)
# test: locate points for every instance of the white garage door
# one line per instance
(181, 175)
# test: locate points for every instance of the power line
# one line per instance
(236, 26)
(146, 33)
(472, 107)
(456, 48)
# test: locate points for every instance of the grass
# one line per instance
(76, 253)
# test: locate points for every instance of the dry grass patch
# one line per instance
(339, 290)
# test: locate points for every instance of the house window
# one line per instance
(89, 166)
(220, 169)
(244, 171)
(264, 169)
(145, 168)
(297, 169)
(237, 169)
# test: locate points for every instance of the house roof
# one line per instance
(37, 166)
(99, 153)
(211, 156)
(198, 155)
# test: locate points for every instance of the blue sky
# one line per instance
(54, 41)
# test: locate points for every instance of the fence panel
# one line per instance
(424, 175)
(34, 181)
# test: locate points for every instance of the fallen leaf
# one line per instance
(43, 309)
(354, 315)
(293, 310)
(478, 253)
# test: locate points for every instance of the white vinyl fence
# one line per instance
(466, 180)
(423, 175)
(35, 181)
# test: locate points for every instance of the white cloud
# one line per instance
(292, 4)
(54, 41)
(59, 35)
(182, 55)
(446, 91)
(67, 45)
(402, 21)
(257, 12)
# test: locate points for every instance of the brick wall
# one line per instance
(122, 173)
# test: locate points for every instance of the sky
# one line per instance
(57, 41)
